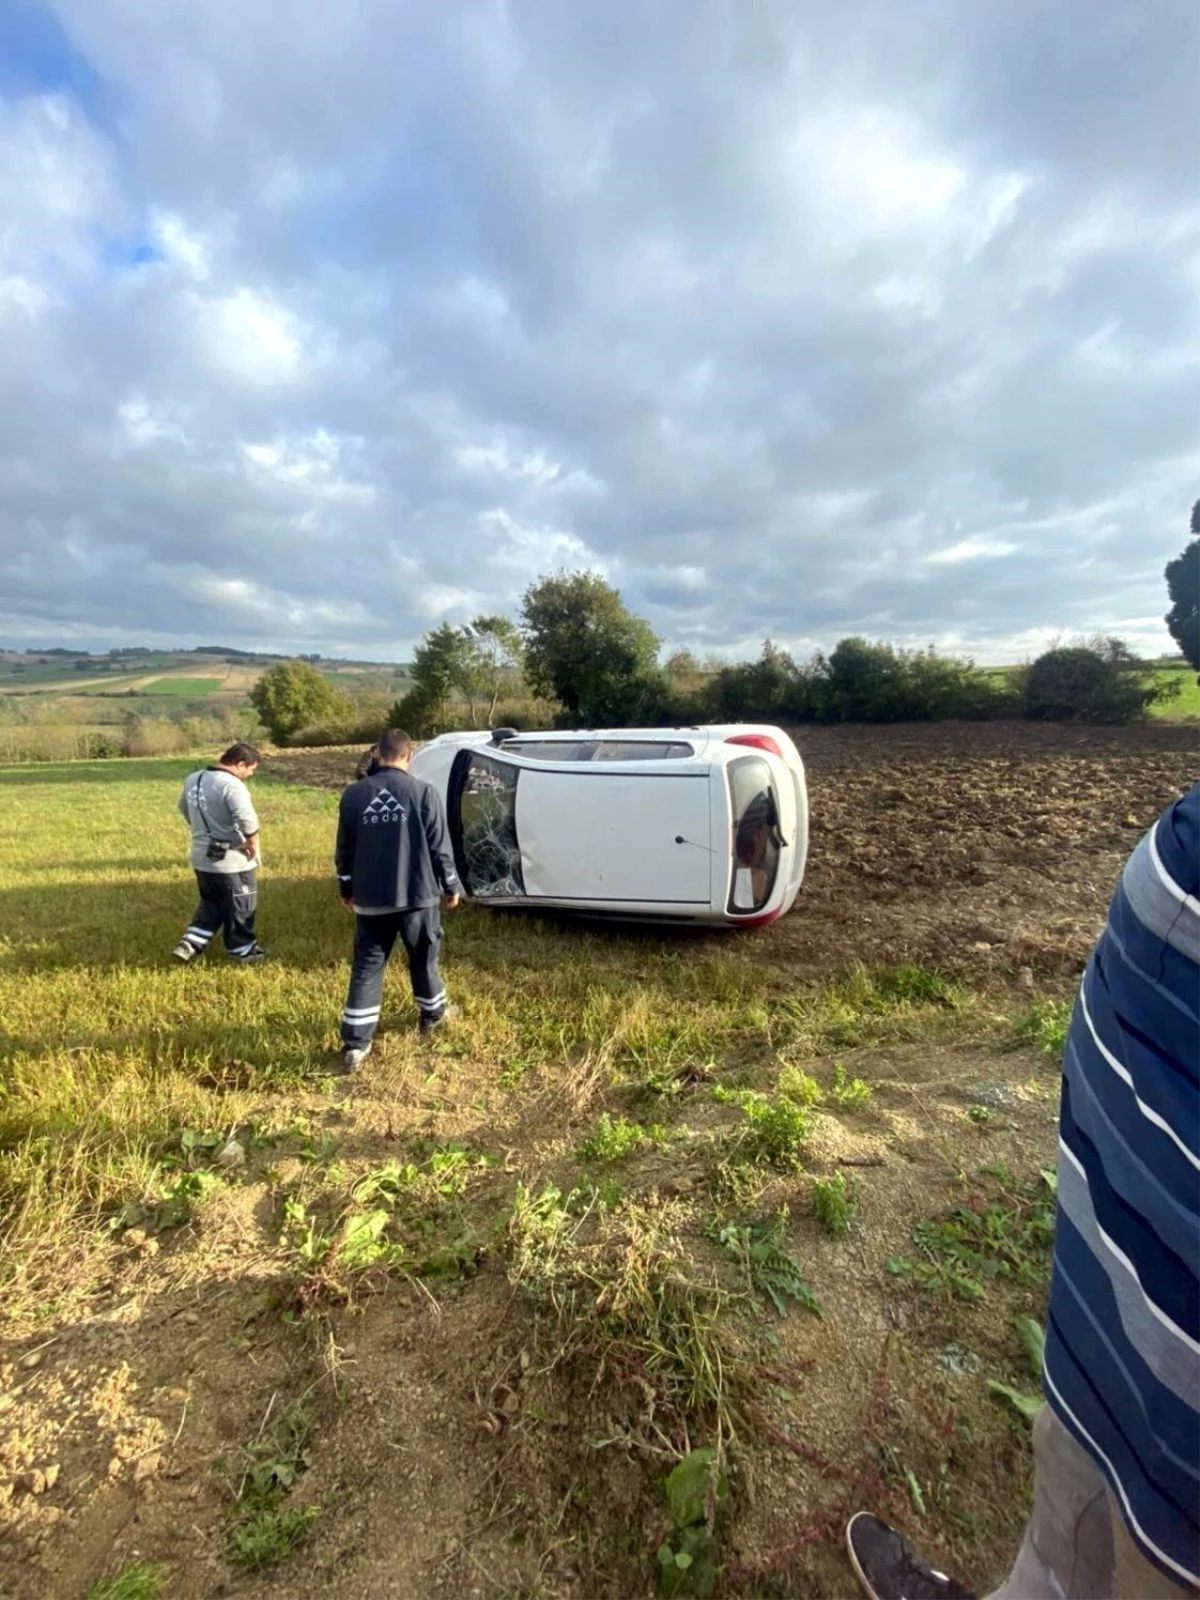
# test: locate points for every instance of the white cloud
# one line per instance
(865, 171)
(441, 600)
(790, 319)
(500, 460)
(517, 547)
(250, 337)
(272, 608)
(310, 465)
(21, 296)
(973, 549)
(145, 424)
(181, 246)
(57, 186)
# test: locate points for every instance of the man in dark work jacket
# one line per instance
(394, 863)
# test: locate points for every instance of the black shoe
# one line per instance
(257, 953)
(890, 1569)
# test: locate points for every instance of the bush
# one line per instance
(526, 715)
(362, 725)
(421, 716)
(1083, 683)
(866, 682)
(771, 689)
(294, 695)
(153, 736)
(45, 742)
(858, 682)
(417, 716)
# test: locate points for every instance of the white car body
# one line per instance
(689, 825)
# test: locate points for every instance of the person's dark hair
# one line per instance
(241, 754)
(394, 745)
(368, 763)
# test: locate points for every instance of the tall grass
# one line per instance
(46, 742)
(56, 735)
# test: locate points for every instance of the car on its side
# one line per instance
(681, 825)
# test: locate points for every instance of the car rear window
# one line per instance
(601, 749)
(756, 837)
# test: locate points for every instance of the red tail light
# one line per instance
(757, 741)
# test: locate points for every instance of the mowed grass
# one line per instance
(1184, 703)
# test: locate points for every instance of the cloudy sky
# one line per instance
(321, 322)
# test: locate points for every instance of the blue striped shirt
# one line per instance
(1123, 1338)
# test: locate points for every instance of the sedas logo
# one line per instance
(385, 808)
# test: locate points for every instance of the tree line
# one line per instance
(578, 656)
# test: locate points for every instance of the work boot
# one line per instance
(890, 1569)
(430, 1023)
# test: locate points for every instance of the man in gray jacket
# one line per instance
(217, 807)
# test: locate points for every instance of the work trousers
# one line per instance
(228, 901)
(420, 932)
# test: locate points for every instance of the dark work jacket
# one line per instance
(393, 852)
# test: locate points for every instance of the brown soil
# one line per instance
(451, 1456)
(976, 845)
(929, 843)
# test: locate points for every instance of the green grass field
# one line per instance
(194, 688)
(1184, 704)
(623, 1156)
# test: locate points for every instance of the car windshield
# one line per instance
(484, 825)
(756, 838)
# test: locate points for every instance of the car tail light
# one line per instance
(757, 741)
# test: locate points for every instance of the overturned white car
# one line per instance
(699, 825)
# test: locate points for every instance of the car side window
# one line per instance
(641, 750)
(600, 749)
(551, 749)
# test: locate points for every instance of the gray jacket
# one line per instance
(216, 805)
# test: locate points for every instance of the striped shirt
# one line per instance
(1123, 1341)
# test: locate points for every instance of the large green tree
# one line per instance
(294, 695)
(1183, 585)
(586, 649)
